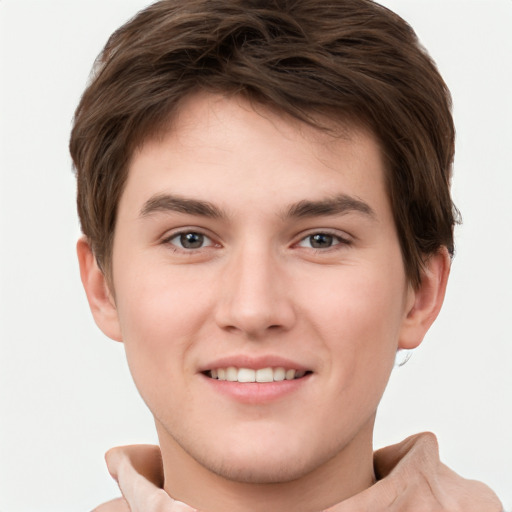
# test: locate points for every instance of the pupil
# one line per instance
(192, 240)
(321, 240)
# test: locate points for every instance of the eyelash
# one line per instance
(336, 240)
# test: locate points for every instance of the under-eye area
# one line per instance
(269, 374)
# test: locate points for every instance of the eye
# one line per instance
(321, 241)
(190, 240)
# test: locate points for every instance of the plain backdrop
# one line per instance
(65, 392)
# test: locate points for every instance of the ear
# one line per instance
(101, 300)
(424, 303)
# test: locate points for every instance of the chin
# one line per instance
(258, 462)
(257, 452)
(259, 472)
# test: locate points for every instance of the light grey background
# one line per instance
(65, 392)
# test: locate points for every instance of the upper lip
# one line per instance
(254, 363)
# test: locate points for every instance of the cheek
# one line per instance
(359, 318)
(361, 307)
(160, 320)
(160, 305)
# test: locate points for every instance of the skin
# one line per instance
(258, 290)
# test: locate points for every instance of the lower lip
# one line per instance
(256, 392)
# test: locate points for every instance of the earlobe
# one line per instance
(426, 300)
(99, 296)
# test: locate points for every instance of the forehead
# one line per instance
(225, 148)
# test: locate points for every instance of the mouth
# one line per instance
(261, 375)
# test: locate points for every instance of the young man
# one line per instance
(263, 188)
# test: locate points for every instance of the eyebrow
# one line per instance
(168, 202)
(337, 205)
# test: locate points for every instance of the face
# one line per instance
(259, 289)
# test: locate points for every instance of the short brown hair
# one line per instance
(351, 59)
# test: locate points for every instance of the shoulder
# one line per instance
(117, 505)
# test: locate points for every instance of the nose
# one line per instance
(255, 299)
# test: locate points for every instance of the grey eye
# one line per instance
(192, 240)
(320, 240)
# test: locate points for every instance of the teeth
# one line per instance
(279, 374)
(233, 374)
(265, 375)
(246, 375)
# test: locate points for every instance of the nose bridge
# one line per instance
(254, 299)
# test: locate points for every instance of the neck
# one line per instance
(346, 474)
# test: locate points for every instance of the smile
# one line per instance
(233, 374)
